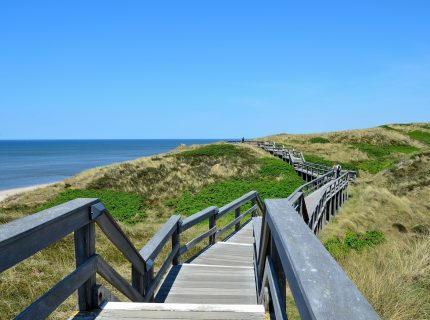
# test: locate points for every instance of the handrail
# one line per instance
(24, 237)
(320, 288)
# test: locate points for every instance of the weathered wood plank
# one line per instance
(123, 311)
(154, 246)
(46, 304)
(197, 240)
(236, 220)
(198, 217)
(19, 239)
(114, 233)
(236, 203)
(115, 279)
(165, 266)
(85, 247)
(306, 262)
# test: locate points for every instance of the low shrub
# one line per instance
(125, 207)
(319, 140)
(320, 160)
(384, 150)
(339, 247)
(214, 150)
(275, 179)
(422, 136)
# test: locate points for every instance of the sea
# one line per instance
(30, 162)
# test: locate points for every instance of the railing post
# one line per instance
(237, 214)
(85, 247)
(212, 223)
(253, 203)
(149, 278)
(279, 271)
(176, 240)
(137, 280)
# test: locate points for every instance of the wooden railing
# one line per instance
(24, 237)
(289, 253)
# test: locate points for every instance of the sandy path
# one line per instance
(10, 192)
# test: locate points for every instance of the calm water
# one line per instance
(25, 163)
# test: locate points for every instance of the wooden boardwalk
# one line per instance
(223, 274)
(312, 200)
(229, 279)
(218, 284)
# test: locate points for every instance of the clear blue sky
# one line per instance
(210, 69)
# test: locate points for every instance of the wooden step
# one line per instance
(130, 310)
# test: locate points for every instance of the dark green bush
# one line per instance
(125, 207)
(275, 179)
(339, 247)
(214, 150)
(319, 140)
(422, 136)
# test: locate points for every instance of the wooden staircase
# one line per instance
(217, 284)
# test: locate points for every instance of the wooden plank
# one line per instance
(115, 279)
(219, 299)
(306, 262)
(123, 311)
(156, 282)
(46, 304)
(237, 215)
(236, 220)
(19, 239)
(196, 240)
(198, 217)
(256, 224)
(154, 246)
(114, 233)
(236, 203)
(278, 300)
(85, 247)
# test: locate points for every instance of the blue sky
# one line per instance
(210, 69)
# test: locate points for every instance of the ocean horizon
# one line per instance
(26, 163)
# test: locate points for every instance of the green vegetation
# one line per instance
(320, 160)
(319, 140)
(384, 150)
(374, 166)
(125, 207)
(422, 136)
(389, 128)
(275, 179)
(214, 150)
(273, 167)
(339, 247)
(379, 157)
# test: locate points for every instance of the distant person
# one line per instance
(243, 139)
(338, 170)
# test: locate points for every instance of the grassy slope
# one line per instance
(141, 194)
(392, 195)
